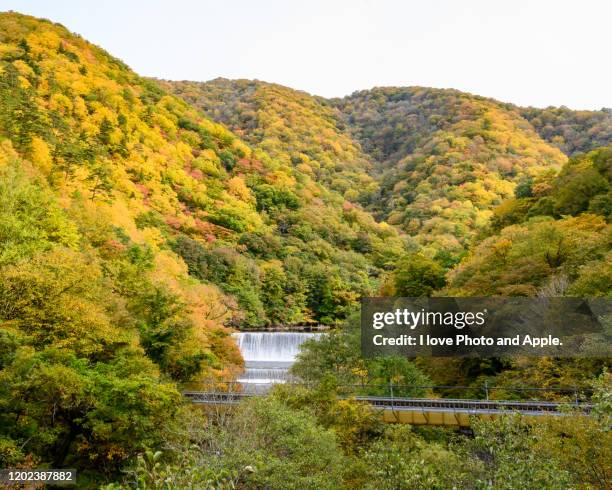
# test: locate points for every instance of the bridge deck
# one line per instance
(418, 411)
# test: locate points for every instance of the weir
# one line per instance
(268, 356)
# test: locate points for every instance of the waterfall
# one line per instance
(269, 355)
(271, 346)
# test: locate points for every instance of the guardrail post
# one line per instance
(576, 395)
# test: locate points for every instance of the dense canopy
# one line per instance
(142, 221)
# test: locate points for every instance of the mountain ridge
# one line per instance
(406, 137)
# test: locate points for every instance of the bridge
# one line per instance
(423, 411)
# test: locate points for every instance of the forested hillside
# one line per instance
(446, 158)
(133, 231)
(571, 131)
(244, 219)
(492, 205)
(553, 239)
(141, 221)
(293, 126)
(432, 162)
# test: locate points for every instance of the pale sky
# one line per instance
(529, 52)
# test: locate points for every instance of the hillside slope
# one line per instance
(571, 131)
(85, 139)
(554, 239)
(99, 319)
(133, 231)
(244, 219)
(293, 126)
(432, 162)
(446, 158)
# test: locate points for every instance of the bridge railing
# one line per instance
(566, 394)
(212, 398)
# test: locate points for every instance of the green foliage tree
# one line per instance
(265, 444)
(20, 118)
(507, 449)
(100, 179)
(164, 326)
(74, 383)
(416, 275)
(67, 412)
(403, 460)
(60, 299)
(30, 219)
(270, 198)
(584, 180)
(336, 358)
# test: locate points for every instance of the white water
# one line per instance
(268, 355)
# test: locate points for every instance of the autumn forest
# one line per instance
(143, 221)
